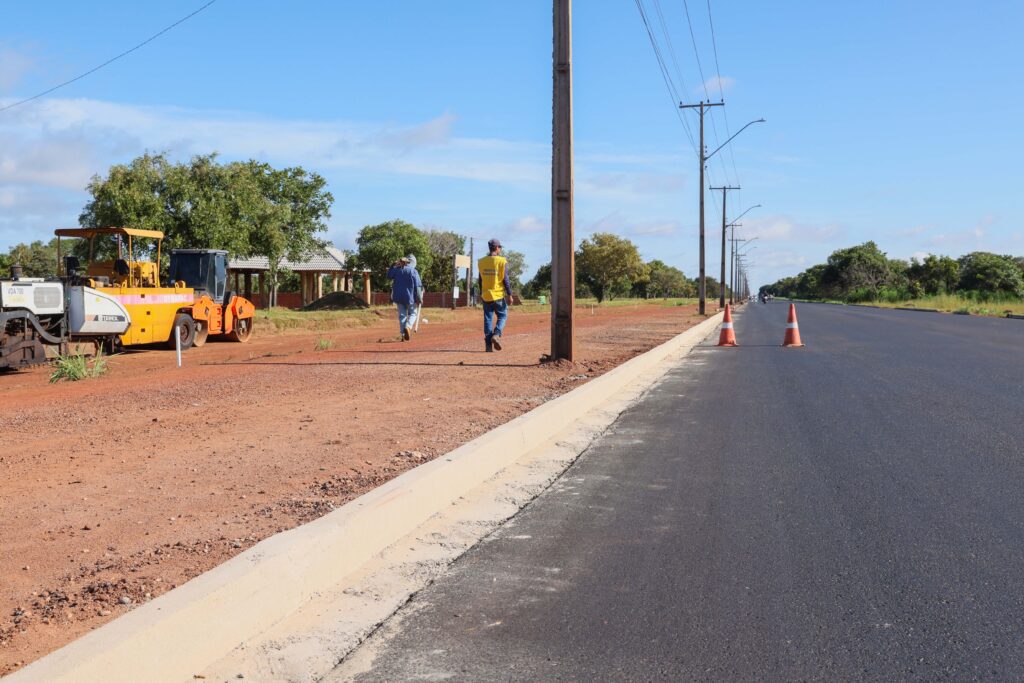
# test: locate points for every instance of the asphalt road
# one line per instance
(852, 510)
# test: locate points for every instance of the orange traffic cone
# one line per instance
(727, 337)
(792, 329)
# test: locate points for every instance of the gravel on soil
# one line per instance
(117, 489)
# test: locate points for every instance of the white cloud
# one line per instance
(528, 225)
(969, 238)
(434, 132)
(718, 84)
(783, 228)
(916, 230)
(94, 134)
(630, 185)
(655, 228)
(781, 259)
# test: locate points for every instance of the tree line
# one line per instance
(609, 267)
(250, 208)
(378, 246)
(865, 273)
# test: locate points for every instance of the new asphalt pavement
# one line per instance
(851, 510)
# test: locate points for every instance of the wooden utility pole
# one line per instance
(563, 266)
(702, 154)
(721, 283)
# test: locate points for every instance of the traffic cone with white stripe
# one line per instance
(792, 329)
(727, 337)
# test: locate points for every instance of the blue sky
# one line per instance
(899, 122)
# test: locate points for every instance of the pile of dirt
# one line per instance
(337, 301)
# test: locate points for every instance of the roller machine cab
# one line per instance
(217, 310)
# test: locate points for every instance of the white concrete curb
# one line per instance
(187, 629)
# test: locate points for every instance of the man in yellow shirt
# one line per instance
(494, 290)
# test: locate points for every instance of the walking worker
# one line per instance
(406, 292)
(495, 292)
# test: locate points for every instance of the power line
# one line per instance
(703, 81)
(721, 92)
(109, 61)
(671, 47)
(673, 93)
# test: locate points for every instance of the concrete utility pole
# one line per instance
(702, 154)
(722, 282)
(732, 261)
(563, 265)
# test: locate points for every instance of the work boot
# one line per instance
(405, 334)
(496, 342)
(488, 344)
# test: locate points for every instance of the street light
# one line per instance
(702, 285)
(755, 206)
(732, 267)
(743, 266)
(733, 136)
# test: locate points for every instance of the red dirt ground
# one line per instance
(117, 489)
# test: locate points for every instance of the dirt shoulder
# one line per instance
(115, 490)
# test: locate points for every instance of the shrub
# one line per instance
(75, 367)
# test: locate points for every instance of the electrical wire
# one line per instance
(704, 84)
(673, 93)
(721, 94)
(109, 61)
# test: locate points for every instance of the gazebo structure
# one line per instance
(331, 262)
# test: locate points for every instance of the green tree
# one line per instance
(934, 274)
(515, 267)
(989, 273)
(667, 281)
(36, 259)
(539, 284)
(607, 264)
(282, 210)
(248, 208)
(856, 273)
(444, 246)
(381, 245)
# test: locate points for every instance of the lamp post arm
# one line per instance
(733, 136)
(755, 206)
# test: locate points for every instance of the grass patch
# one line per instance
(531, 305)
(75, 367)
(953, 303)
(323, 344)
(287, 320)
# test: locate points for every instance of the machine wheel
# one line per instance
(187, 329)
(243, 330)
(202, 332)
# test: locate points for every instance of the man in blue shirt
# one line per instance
(406, 291)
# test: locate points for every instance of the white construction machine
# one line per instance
(37, 315)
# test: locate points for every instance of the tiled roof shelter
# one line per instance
(311, 270)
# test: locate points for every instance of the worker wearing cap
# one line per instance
(495, 292)
(406, 292)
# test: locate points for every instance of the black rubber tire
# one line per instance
(187, 326)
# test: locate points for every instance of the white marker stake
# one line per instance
(177, 343)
